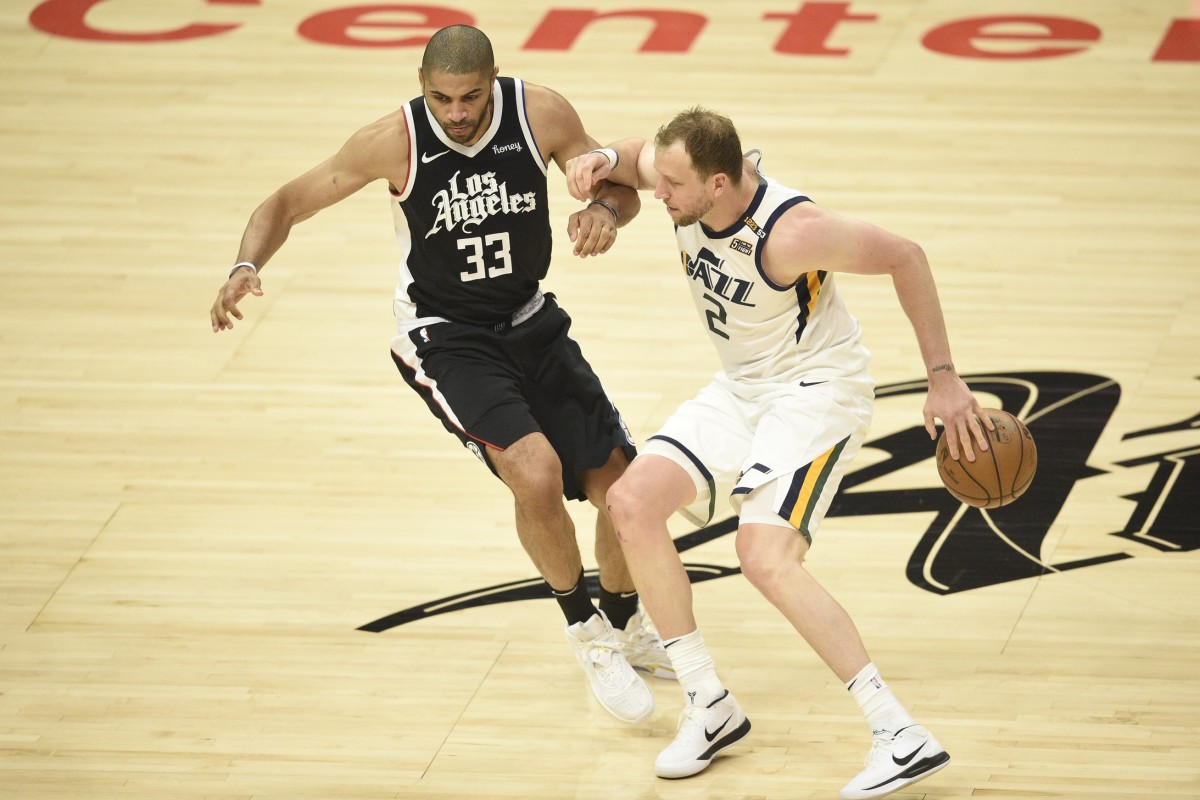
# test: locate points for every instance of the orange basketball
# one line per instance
(996, 477)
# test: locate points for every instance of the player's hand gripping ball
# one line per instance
(998, 476)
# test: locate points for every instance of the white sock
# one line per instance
(881, 708)
(694, 668)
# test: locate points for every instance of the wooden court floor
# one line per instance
(226, 562)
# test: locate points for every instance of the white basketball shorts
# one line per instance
(782, 447)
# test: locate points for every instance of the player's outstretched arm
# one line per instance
(376, 151)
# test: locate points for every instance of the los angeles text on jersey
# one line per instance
(706, 268)
(477, 198)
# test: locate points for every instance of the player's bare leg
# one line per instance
(533, 472)
(772, 559)
(609, 558)
(639, 640)
(902, 752)
(641, 502)
(652, 489)
(531, 469)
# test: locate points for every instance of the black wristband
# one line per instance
(598, 202)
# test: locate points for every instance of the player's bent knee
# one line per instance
(597, 482)
(532, 475)
(630, 503)
(621, 501)
(759, 570)
(766, 553)
(538, 485)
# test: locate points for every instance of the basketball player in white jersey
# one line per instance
(781, 421)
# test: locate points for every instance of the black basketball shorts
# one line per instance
(492, 388)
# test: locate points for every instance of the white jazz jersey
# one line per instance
(765, 333)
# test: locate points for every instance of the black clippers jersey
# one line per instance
(472, 222)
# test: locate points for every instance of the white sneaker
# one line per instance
(896, 760)
(619, 689)
(643, 648)
(704, 731)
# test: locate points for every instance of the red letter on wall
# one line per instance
(674, 31)
(1182, 42)
(811, 26)
(959, 38)
(66, 18)
(333, 27)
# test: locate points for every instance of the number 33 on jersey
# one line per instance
(472, 221)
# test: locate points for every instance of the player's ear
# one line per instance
(421, 79)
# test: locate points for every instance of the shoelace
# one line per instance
(881, 746)
(601, 653)
(644, 639)
(692, 718)
(642, 636)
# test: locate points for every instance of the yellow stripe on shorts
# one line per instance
(799, 506)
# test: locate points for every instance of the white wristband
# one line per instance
(613, 157)
(241, 264)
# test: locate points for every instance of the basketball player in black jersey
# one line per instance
(466, 165)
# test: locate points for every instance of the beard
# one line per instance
(692, 217)
(475, 125)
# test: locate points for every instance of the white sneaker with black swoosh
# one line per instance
(704, 731)
(896, 760)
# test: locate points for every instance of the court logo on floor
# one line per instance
(965, 548)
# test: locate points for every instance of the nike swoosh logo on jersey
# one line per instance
(900, 762)
(710, 736)
(812, 383)
(426, 158)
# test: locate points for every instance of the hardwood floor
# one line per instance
(194, 529)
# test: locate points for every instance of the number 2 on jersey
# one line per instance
(493, 247)
(719, 315)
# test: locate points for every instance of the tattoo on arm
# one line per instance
(947, 367)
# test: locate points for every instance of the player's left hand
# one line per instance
(951, 401)
(593, 231)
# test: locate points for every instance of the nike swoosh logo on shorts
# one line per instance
(426, 158)
(812, 383)
(713, 735)
(902, 761)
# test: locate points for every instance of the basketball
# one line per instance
(996, 477)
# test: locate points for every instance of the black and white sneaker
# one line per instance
(896, 760)
(704, 731)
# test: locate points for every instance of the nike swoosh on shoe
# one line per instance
(713, 735)
(903, 761)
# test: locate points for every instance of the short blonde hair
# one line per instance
(709, 139)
